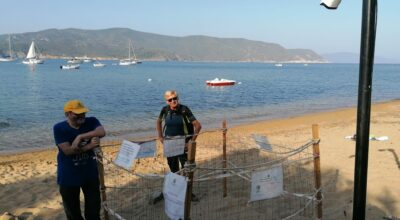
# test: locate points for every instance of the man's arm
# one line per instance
(69, 149)
(197, 128)
(74, 148)
(98, 132)
(159, 130)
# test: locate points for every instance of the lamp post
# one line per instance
(367, 49)
(368, 33)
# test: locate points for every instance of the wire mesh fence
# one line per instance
(222, 181)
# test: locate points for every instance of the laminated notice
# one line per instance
(174, 147)
(174, 192)
(267, 184)
(127, 154)
(147, 149)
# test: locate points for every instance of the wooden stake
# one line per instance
(224, 158)
(191, 161)
(100, 168)
(317, 169)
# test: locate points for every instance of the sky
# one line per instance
(291, 23)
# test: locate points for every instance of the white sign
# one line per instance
(147, 149)
(174, 147)
(127, 154)
(262, 142)
(267, 184)
(174, 192)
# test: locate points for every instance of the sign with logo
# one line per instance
(267, 184)
(174, 192)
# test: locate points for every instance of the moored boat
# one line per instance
(98, 64)
(11, 55)
(32, 57)
(70, 66)
(130, 60)
(127, 62)
(75, 61)
(220, 82)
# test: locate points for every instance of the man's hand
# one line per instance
(161, 139)
(77, 141)
(95, 141)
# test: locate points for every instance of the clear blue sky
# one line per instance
(290, 23)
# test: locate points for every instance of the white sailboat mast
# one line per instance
(9, 46)
(133, 51)
(130, 43)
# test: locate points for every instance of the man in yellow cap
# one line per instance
(76, 137)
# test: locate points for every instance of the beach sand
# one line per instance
(28, 188)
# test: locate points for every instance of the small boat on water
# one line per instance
(10, 57)
(130, 60)
(279, 64)
(75, 61)
(220, 82)
(98, 64)
(69, 66)
(32, 57)
(127, 62)
(86, 59)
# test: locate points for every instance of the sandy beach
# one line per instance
(28, 188)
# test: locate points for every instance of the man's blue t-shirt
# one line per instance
(75, 170)
(174, 121)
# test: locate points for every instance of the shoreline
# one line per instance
(234, 125)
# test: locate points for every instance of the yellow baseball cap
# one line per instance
(75, 106)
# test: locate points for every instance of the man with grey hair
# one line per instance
(178, 120)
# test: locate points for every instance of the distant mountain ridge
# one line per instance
(346, 57)
(113, 43)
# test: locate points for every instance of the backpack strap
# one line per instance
(185, 119)
(164, 111)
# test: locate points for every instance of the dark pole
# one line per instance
(368, 32)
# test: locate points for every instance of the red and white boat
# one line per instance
(220, 82)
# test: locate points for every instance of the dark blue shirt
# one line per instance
(173, 120)
(75, 170)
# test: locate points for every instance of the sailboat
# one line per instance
(130, 60)
(32, 57)
(10, 56)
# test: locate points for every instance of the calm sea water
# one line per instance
(127, 100)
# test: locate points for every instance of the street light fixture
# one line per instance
(330, 4)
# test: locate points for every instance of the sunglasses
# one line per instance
(82, 115)
(172, 99)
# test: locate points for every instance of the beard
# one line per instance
(80, 121)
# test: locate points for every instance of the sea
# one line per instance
(127, 99)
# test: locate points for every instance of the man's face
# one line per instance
(172, 101)
(78, 119)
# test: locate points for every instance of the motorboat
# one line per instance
(75, 61)
(279, 64)
(220, 82)
(32, 57)
(98, 64)
(87, 59)
(69, 66)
